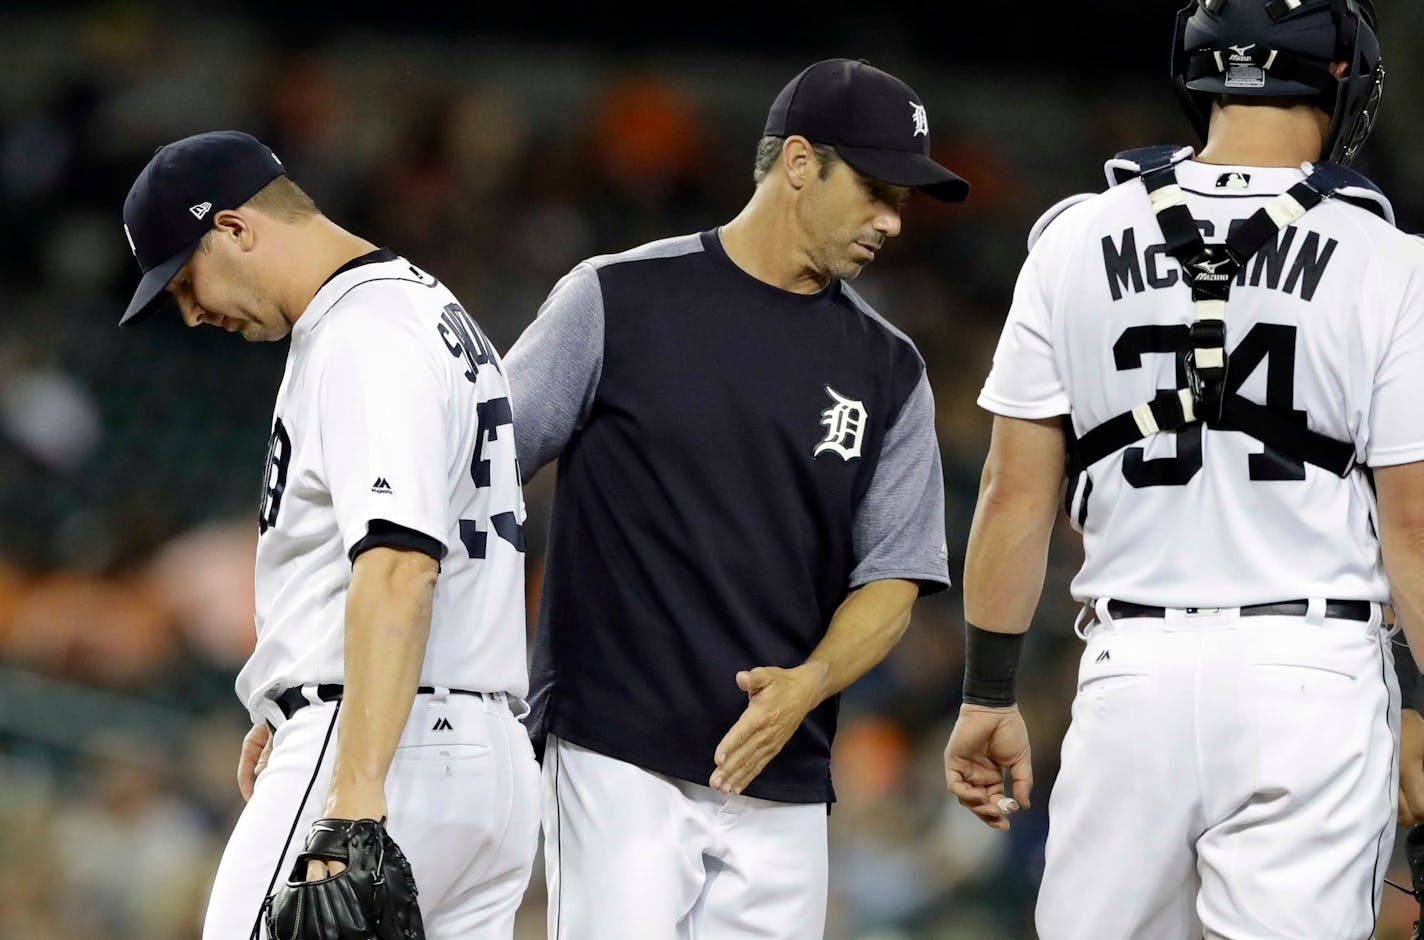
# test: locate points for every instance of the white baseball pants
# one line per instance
(463, 805)
(1224, 777)
(635, 855)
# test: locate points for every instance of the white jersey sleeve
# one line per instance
(1025, 382)
(1396, 433)
(381, 396)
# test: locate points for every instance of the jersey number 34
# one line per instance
(1274, 343)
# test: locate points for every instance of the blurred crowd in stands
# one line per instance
(130, 462)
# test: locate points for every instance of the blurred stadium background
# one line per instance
(496, 148)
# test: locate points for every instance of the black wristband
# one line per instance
(991, 661)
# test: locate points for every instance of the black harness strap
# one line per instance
(1167, 412)
(1210, 270)
(1280, 434)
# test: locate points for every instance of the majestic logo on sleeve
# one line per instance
(845, 423)
(922, 120)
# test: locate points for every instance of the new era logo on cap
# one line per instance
(200, 210)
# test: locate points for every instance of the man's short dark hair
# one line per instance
(769, 151)
(282, 199)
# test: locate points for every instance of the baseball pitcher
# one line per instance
(392, 791)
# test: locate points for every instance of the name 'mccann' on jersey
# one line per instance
(393, 417)
(1322, 326)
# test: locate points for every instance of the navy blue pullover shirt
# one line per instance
(734, 459)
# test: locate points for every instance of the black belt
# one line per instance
(292, 700)
(1338, 610)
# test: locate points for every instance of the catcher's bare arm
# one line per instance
(868, 623)
(387, 624)
(1400, 490)
(1013, 520)
(1003, 578)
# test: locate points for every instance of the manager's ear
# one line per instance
(798, 160)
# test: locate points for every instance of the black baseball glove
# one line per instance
(373, 899)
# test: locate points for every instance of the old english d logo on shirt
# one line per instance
(844, 422)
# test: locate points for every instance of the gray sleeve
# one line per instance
(899, 525)
(554, 368)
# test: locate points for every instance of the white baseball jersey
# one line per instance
(394, 409)
(1327, 322)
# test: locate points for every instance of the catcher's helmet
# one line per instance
(1283, 48)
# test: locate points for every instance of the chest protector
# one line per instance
(1209, 271)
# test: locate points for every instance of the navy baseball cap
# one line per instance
(875, 121)
(171, 204)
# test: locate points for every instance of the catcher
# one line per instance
(389, 672)
(1231, 766)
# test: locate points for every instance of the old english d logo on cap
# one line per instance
(921, 119)
(172, 202)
